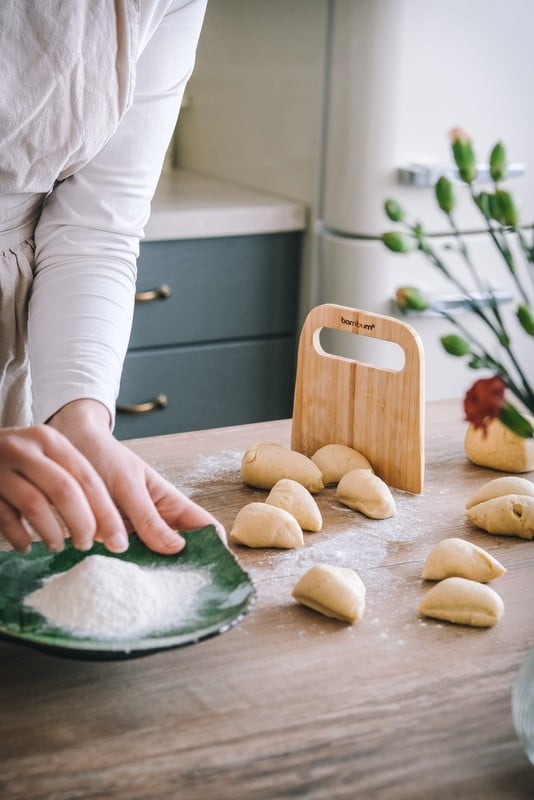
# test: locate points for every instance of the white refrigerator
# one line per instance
(400, 75)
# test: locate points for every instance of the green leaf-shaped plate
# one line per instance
(221, 604)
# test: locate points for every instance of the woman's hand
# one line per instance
(40, 470)
(73, 475)
(149, 504)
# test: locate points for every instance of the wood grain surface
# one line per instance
(377, 411)
(291, 704)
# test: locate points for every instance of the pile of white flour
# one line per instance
(107, 598)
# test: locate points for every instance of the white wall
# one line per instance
(254, 112)
(256, 95)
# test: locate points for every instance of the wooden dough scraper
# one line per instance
(377, 411)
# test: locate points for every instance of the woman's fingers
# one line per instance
(178, 510)
(128, 480)
(12, 528)
(46, 484)
(109, 523)
(194, 516)
(185, 515)
(43, 469)
(149, 525)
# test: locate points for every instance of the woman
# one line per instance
(89, 97)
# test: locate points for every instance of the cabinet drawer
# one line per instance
(207, 386)
(221, 288)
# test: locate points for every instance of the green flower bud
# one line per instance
(411, 298)
(398, 242)
(393, 210)
(463, 154)
(525, 315)
(498, 162)
(495, 208)
(516, 422)
(507, 209)
(445, 194)
(455, 345)
(483, 201)
(479, 362)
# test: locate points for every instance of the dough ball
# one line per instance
(265, 463)
(363, 491)
(463, 601)
(499, 487)
(293, 497)
(461, 559)
(511, 515)
(336, 592)
(262, 525)
(335, 460)
(500, 448)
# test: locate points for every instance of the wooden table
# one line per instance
(291, 704)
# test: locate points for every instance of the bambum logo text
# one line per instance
(366, 326)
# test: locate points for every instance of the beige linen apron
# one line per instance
(81, 58)
(16, 271)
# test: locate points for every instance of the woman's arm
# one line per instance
(87, 239)
(82, 300)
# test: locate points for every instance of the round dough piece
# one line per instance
(464, 602)
(262, 525)
(462, 559)
(335, 460)
(293, 497)
(265, 463)
(363, 491)
(501, 448)
(511, 515)
(336, 592)
(499, 487)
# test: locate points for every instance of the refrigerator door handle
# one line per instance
(456, 303)
(424, 176)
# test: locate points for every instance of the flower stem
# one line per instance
(487, 288)
(493, 363)
(462, 247)
(499, 332)
(503, 248)
(528, 252)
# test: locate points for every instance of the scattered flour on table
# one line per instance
(379, 550)
(107, 598)
(224, 466)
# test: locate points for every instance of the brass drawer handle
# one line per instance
(161, 293)
(160, 401)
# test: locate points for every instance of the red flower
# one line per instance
(484, 401)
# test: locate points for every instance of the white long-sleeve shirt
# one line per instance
(104, 86)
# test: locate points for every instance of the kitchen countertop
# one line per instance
(290, 703)
(188, 205)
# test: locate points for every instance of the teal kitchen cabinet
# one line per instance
(213, 341)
